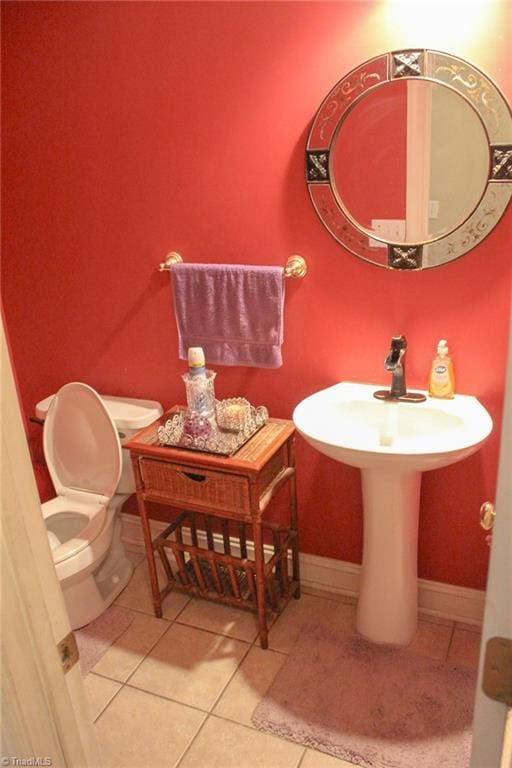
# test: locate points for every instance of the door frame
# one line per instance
(45, 711)
(492, 724)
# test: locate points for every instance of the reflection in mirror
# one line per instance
(409, 159)
(427, 153)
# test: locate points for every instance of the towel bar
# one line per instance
(295, 266)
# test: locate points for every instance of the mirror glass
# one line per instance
(409, 159)
(427, 153)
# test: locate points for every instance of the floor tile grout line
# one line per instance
(210, 711)
(303, 757)
(221, 693)
(333, 597)
(251, 728)
(107, 705)
(166, 698)
(450, 642)
(141, 610)
(182, 623)
(474, 629)
(168, 621)
(105, 677)
(429, 618)
(171, 622)
(131, 684)
(187, 750)
(149, 651)
(213, 632)
(183, 607)
(151, 612)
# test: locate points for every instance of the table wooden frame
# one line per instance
(238, 488)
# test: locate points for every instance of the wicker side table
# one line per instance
(221, 547)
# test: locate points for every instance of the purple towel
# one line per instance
(234, 312)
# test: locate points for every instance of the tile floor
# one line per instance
(179, 691)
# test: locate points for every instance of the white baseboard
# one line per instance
(326, 574)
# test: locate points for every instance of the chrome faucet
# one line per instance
(395, 362)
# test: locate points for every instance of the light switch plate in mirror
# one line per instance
(401, 121)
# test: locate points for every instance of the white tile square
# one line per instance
(465, 648)
(249, 684)
(136, 556)
(137, 594)
(222, 619)
(99, 692)
(339, 616)
(125, 655)
(139, 730)
(315, 759)
(432, 640)
(190, 665)
(223, 744)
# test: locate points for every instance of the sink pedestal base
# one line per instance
(388, 595)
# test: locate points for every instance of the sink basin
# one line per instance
(348, 424)
(392, 443)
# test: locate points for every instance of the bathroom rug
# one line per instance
(96, 638)
(376, 706)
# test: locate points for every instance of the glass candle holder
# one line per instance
(233, 413)
(196, 426)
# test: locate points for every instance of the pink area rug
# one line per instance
(96, 638)
(376, 706)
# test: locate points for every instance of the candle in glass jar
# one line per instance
(234, 413)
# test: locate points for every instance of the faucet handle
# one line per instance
(399, 342)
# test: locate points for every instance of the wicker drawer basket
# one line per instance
(182, 485)
(215, 564)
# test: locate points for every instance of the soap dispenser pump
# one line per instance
(442, 376)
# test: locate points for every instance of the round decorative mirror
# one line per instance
(409, 159)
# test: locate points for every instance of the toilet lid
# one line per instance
(81, 444)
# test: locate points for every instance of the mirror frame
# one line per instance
(434, 66)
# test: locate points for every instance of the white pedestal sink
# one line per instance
(392, 443)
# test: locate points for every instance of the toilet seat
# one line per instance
(83, 520)
(83, 455)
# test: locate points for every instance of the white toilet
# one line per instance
(92, 476)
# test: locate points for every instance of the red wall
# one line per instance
(133, 129)
(372, 143)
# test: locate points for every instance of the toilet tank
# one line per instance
(129, 415)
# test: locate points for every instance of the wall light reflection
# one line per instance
(442, 24)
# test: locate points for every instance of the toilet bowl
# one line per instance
(91, 473)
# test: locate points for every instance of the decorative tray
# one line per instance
(232, 424)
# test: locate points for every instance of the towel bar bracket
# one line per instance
(170, 259)
(295, 266)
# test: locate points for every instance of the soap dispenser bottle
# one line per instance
(442, 376)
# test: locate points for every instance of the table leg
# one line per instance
(293, 518)
(260, 583)
(150, 552)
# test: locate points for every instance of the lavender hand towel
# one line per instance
(234, 312)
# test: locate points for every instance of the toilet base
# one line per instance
(87, 599)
